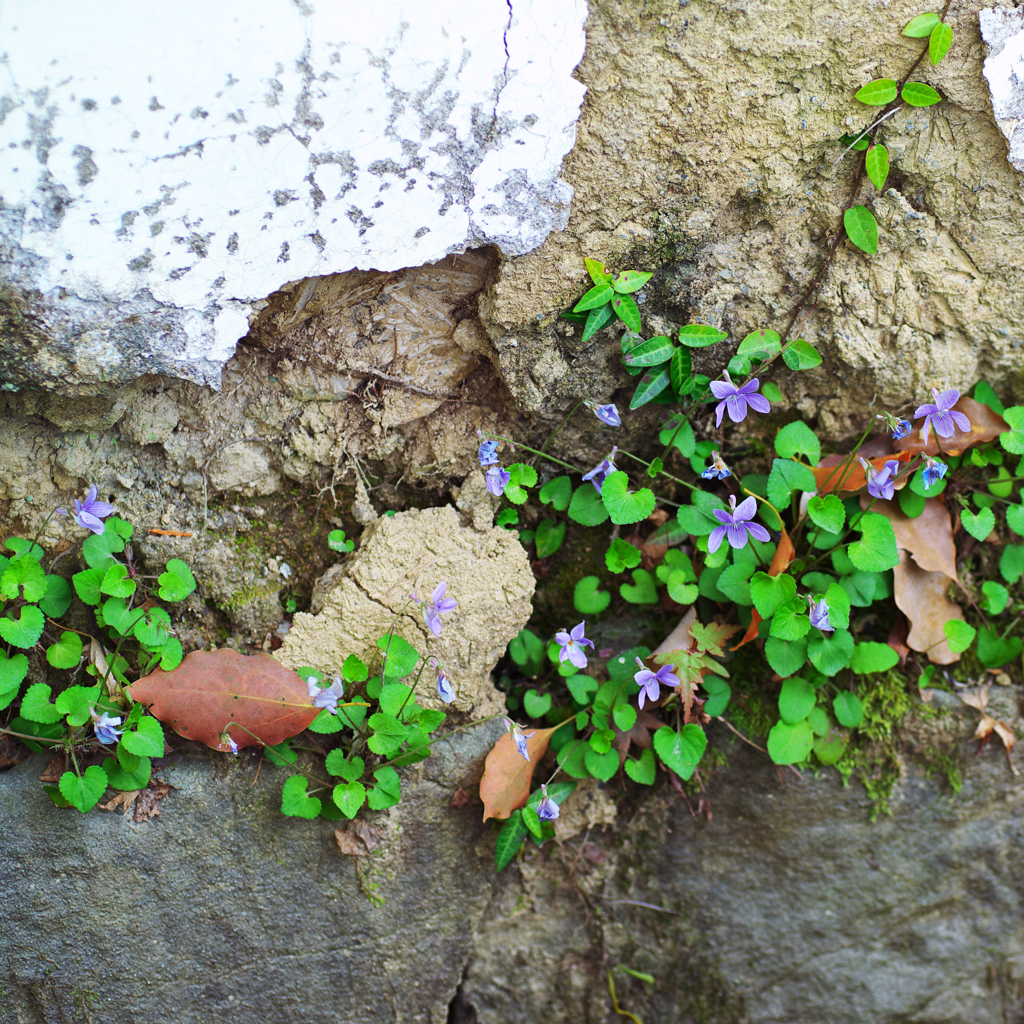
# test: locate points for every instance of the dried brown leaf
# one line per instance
(507, 775)
(149, 799)
(124, 800)
(986, 425)
(928, 537)
(211, 689)
(359, 839)
(54, 770)
(978, 699)
(921, 596)
(460, 798)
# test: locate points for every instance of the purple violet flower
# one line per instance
(941, 416)
(607, 414)
(488, 453)
(572, 645)
(437, 606)
(547, 809)
(900, 429)
(445, 690)
(518, 737)
(325, 698)
(496, 478)
(880, 481)
(650, 682)
(735, 400)
(227, 741)
(933, 471)
(597, 475)
(105, 727)
(718, 470)
(819, 616)
(736, 525)
(90, 513)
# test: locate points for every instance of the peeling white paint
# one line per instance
(1003, 31)
(177, 164)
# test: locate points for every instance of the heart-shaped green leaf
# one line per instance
(36, 706)
(177, 582)
(521, 476)
(642, 770)
(75, 703)
(785, 656)
(587, 507)
(719, 693)
(587, 599)
(58, 597)
(87, 585)
(978, 525)
(24, 578)
(681, 751)
(349, 797)
(876, 550)
(126, 781)
(769, 592)
(83, 792)
(281, 754)
(621, 555)
(601, 766)
(785, 478)
(862, 228)
(549, 537)
(819, 721)
(734, 583)
(790, 621)
(624, 506)
(556, 493)
(830, 748)
(388, 790)
(797, 439)
(996, 597)
(642, 590)
(535, 704)
(296, 802)
(848, 709)
(830, 652)
(66, 652)
(115, 581)
(24, 628)
(827, 512)
(995, 651)
(796, 701)
(147, 740)
(790, 744)
(959, 635)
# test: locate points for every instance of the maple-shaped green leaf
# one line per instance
(711, 638)
(83, 792)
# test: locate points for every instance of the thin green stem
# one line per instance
(558, 429)
(534, 451)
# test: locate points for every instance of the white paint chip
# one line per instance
(1003, 31)
(160, 172)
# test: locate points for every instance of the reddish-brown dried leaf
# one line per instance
(149, 799)
(986, 424)
(359, 839)
(507, 774)
(921, 596)
(898, 638)
(123, 800)
(211, 689)
(852, 478)
(929, 537)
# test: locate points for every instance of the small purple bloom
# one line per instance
(900, 429)
(941, 416)
(488, 453)
(880, 481)
(325, 698)
(933, 471)
(89, 513)
(735, 400)
(437, 606)
(445, 690)
(718, 470)
(547, 809)
(736, 525)
(518, 737)
(650, 682)
(608, 414)
(496, 478)
(106, 729)
(572, 645)
(227, 741)
(819, 616)
(601, 470)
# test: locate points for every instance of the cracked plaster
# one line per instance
(1003, 31)
(160, 174)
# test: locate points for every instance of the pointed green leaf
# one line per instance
(701, 335)
(549, 537)
(854, 142)
(596, 319)
(760, 345)
(679, 369)
(800, 355)
(598, 272)
(652, 384)
(876, 163)
(631, 281)
(862, 228)
(510, 840)
(651, 353)
(597, 296)
(922, 26)
(917, 94)
(624, 307)
(877, 93)
(939, 42)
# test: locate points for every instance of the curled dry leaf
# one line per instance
(211, 689)
(359, 839)
(507, 775)
(986, 424)
(921, 596)
(988, 725)
(122, 801)
(148, 803)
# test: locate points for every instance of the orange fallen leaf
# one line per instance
(211, 689)
(169, 533)
(921, 596)
(986, 425)
(507, 774)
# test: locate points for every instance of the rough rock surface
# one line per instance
(1003, 31)
(487, 573)
(786, 907)
(151, 195)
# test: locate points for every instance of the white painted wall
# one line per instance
(180, 161)
(1003, 31)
